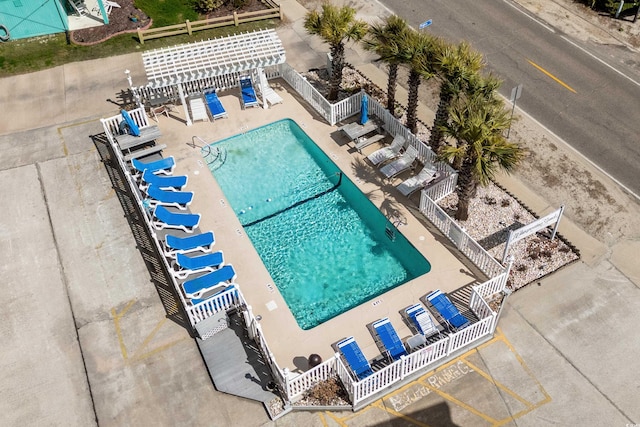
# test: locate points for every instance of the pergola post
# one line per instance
(262, 80)
(184, 105)
(103, 12)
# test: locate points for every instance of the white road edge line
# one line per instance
(600, 60)
(627, 189)
(529, 16)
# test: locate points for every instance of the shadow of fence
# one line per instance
(160, 277)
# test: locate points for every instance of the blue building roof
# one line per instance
(30, 18)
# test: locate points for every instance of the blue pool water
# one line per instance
(323, 242)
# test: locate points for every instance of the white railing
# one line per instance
(472, 333)
(442, 188)
(221, 302)
(111, 125)
(469, 247)
(207, 308)
(297, 386)
(377, 382)
(341, 110)
(421, 360)
(308, 92)
(345, 377)
(493, 286)
(346, 108)
(255, 332)
(479, 305)
(425, 356)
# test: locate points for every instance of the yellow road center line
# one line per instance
(560, 82)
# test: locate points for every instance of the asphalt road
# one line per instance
(580, 98)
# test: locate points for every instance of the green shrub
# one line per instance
(609, 6)
(209, 5)
(239, 4)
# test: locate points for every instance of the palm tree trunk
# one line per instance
(391, 88)
(466, 189)
(412, 102)
(337, 64)
(442, 116)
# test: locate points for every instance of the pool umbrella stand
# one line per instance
(364, 109)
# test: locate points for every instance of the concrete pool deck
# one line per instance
(290, 344)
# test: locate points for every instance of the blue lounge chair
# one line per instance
(447, 310)
(387, 335)
(167, 219)
(178, 199)
(185, 265)
(199, 286)
(249, 98)
(351, 352)
(164, 182)
(421, 320)
(231, 289)
(174, 245)
(216, 109)
(133, 128)
(164, 166)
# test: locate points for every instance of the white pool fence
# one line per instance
(419, 362)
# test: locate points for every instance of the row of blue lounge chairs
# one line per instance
(387, 338)
(190, 254)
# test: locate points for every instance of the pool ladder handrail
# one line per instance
(392, 225)
(219, 152)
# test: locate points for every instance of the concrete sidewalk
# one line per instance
(87, 340)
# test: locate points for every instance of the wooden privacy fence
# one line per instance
(188, 27)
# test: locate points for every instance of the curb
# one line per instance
(146, 27)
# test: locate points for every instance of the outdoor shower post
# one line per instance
(136, 96)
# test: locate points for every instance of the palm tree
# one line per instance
(456, 65)
(385, 40)
(335, 26)
(419, 49)
(477, 124)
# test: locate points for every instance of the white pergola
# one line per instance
(181, 64)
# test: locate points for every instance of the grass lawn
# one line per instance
(29, 55)
(168, 12)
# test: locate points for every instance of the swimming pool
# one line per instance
(326, 246)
